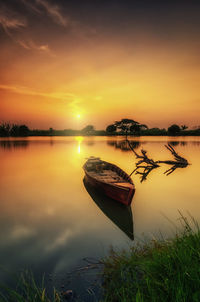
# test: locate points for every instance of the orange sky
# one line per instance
(59, 61)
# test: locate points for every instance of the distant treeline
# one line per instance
(124, 127)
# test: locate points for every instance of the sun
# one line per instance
(78, 115)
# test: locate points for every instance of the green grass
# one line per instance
(162, 270)
(27, 290)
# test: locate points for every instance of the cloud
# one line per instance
(31, 5)
(75, 104)
(20, 232)
(52, 10)
(61, 240)
(11, 23)
(27, 91)
(10, 20)
(30, 45)
(73, 101)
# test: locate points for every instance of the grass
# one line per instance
(163, 270)
(27, 290)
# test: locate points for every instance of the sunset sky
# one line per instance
(69, 63)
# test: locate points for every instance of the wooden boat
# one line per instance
(109, 179)
(118, 213)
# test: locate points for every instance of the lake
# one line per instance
(49, 222)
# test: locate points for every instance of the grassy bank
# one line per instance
(163, 270)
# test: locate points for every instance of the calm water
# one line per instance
(48, 220)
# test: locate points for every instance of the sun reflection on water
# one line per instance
(79, 139)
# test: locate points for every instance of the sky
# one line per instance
(69, 63)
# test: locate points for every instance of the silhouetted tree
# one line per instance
(174, 129)
(51, 131)
(88, 130)
(23, 130)
(14, 130)
(184, 127)
(127, 126)
(111, 128)
(5, 129)
(135, 128)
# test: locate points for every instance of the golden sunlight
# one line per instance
(79, 139)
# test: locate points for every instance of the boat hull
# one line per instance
(120, 193)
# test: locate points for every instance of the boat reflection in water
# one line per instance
(118, 213)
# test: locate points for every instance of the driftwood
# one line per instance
(141, 168)
(145, 164)
(179, 160)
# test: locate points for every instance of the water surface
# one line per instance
(48, 220)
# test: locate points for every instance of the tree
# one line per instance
(135, 128)
(174, 129)
(14, 130)
(88, 130)
(5, 129)
(23, 130)
(51, 131)
(184, 127)
(111, 128)
(143, 127)
(127, 126)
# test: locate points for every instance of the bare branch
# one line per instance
(179, 162)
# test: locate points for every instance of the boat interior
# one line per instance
(106, 172)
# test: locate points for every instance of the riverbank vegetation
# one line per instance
(26, 290)
(162, 270)
(119, 128)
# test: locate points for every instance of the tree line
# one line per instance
(7, 129)
(122, 127)
(132, 127)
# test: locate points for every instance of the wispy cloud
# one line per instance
(10, 20)
(52, 10)
(28, 91)
(31, 5)
(72, 100)
(11, 23)
(61, 240)
(30, 45)
(21, 232)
